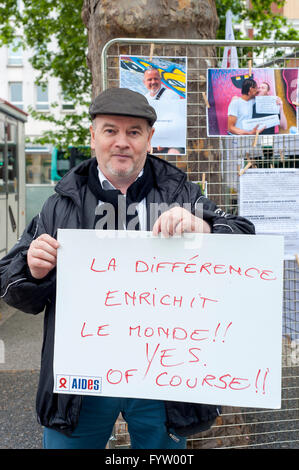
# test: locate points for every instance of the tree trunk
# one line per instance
(173, 19)
(178, 19)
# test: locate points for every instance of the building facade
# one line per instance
(290, 11)
(18, 86)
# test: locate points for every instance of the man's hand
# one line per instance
(279, 102)
(257, 130)
(177, 220)
(254, 130)
(41, 256)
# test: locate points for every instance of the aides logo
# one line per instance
(75, 383)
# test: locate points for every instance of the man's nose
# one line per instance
(122, 140)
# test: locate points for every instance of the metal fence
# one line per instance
(218, 161)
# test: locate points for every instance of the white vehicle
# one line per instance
(12, 175)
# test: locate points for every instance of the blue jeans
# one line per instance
(145, 418)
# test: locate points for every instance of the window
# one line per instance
(42, 99)
(67, 104)
(16, 94)
(38, 166)
(12, 168)
(15, 53)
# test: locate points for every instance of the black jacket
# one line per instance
(65, 209)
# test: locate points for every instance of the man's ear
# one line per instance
(149, 146)
(92, 138)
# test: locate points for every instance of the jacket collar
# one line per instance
(168, 177)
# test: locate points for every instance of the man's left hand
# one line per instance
(178, 220)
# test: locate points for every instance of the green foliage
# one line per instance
(42, 22)
(41, 25)
(266, 24)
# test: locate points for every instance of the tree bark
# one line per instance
(165, 19)
(178, 19)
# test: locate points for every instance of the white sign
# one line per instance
(170, 127)
(267, 121)
(193, 319)
(266, 105)
(270, 199)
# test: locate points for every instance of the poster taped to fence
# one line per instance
(269, 198)
(237, 95)
(163, 81)
(169, 318)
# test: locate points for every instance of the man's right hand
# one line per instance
(257, 130)
(42, 255)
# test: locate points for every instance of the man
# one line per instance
(156, 91)
(241, 108)
(121, 171)
(264, 90)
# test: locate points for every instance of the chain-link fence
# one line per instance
(217, 161)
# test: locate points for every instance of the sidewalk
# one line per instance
(20, 346)
(21, 335)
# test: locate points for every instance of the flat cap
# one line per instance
(122, 102)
